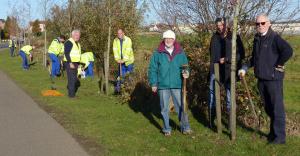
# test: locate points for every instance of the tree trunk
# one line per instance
(233, 73)
(106, 61)
(45, 50)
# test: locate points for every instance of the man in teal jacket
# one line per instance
(165, 77)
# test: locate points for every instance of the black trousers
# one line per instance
(272, 95)
(73, 81)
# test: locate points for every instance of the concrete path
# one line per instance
(26, 130)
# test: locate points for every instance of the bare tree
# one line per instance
(46, 5)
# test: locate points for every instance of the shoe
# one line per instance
(187, 132)
(167, 134)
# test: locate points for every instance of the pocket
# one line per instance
(277, 75)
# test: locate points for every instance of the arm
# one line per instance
(153, 71)
(285, 51)
(116, 52)
(68, 47)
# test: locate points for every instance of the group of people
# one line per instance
(270, 53)
(165, 72)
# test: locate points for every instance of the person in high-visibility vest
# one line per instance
(87, 59)
(72, 51)
(12, 45)
(24, 52)
(123, 54)
(56, 49)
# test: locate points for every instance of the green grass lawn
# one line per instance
(105, 126)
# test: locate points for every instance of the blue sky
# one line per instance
(5, 6)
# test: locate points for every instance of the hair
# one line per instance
(121, 29)
(62, 37)
(263, 15)
(220, 19)
(226, 25)
(75, 31)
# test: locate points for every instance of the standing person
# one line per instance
(24, 52)
(12, 45)
(87, 59)
(270, 53)
(165, 77)
(123, 54)
(225, 61)
(56, 49)
(72, 50)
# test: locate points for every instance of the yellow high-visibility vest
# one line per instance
(56, 47)
(75, 53)
(27, 49)
(11, 42)
(127, 51)
(86, 58)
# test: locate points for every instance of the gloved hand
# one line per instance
(185, 74)
(242, 73)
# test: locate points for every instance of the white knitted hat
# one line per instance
(169, 34)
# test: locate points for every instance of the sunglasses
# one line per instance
(260, 23)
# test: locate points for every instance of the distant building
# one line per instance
(41, 23)
(2, 23)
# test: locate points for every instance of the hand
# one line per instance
(222, 60)
(120, 61)
(185, 74)
(72, 66)
(242, 73)
(154, 89)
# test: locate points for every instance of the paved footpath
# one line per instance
(27, 130)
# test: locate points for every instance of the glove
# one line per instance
(241, 72)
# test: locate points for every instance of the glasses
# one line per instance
(260, 23)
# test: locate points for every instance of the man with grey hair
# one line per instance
(72, 56)
(270, 53)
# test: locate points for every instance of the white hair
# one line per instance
(263, 15)
(75, 31)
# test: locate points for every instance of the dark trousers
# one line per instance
(12, 51)
(272, 95)
(73, 81)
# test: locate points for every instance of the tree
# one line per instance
(36, 30)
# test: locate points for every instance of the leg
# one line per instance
(164, 96)
(275, 90)
(56, 65)
(211, 100)
(182, 116)
(268, 107)
(228, 96)
(90, 69)
(72, 77)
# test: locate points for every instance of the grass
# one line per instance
(103, 126)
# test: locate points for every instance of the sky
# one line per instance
(6, 5)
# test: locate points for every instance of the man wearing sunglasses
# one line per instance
(270, 53)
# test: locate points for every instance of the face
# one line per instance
(169, 42)
(61, 40)
(220, 26)
(262, 24)
(120, 34)
(76, 36)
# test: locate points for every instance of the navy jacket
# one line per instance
(217, 47)
(269, 51)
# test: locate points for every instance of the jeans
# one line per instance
(12, 51)
(24, 60)
(90, 70)
(212, 98)
(164, 96)
(125, 70)
(55, 69)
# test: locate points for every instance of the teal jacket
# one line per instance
(165, 70)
